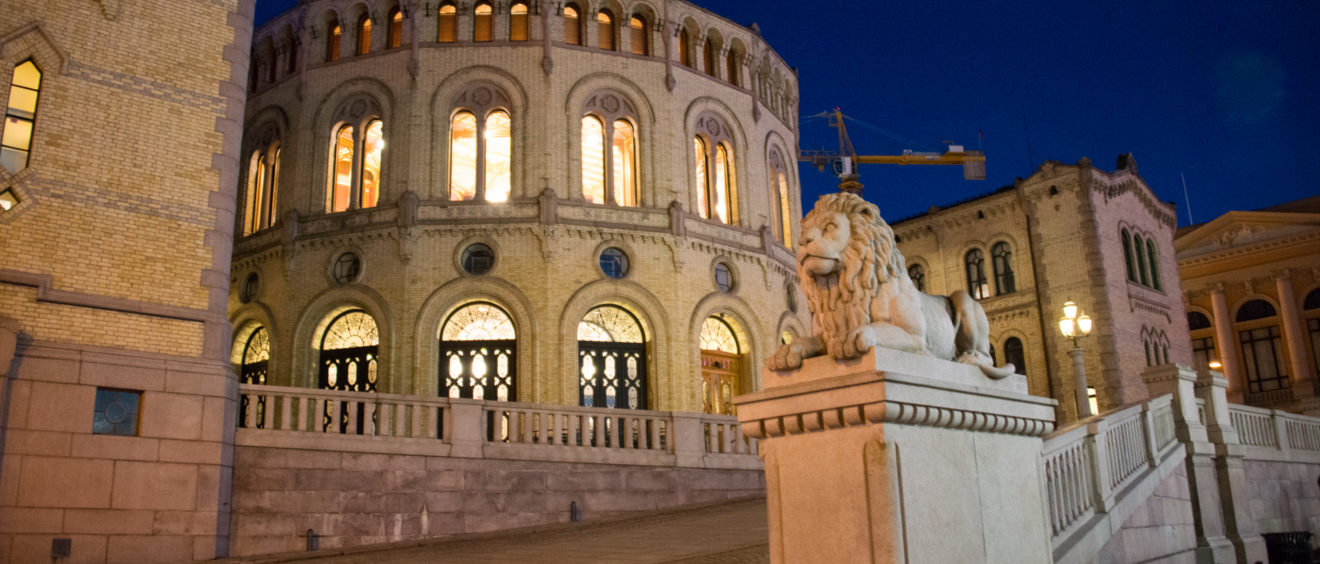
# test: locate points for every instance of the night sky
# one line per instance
(1225, 93)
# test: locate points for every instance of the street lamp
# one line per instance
(1075, 326)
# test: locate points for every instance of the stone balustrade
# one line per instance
(1270, 434)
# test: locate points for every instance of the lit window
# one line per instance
(20, 116)
(572, 26)
(614, 262)
(1003, 265)
(355, 167)
(396, 29)
(783, 214)
(721, 365)
(593, 160)
(637, 29)
(341, 169)
(8, 199)
(518, 22)
(716, 190)
(463, 156)
(605, 27)
(609, 150)
(481, 22)
(332, 40)
(349, 360)
(262, 188)
(364, 35)
(499, 149)
(447, 23)
(977, 285)
(719, 189)
(684, 49)
(116, 412)
(481, 149)
(484, 372)
(624, 156)
(375, 143)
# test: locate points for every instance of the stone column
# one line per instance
(1294, 334)
(897, 457)
(1230, 473)
(1226, 344)
(1079, 378)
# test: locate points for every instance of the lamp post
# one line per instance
(1076, 325)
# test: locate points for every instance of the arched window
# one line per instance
(715, 172)
(611, 359)
(395, 36)
(918, 275)
(1203, 339)
(721, 364)
(262, 188)
(684, 48)
(518, 22)
(572, 25)
(332, 41)
(291, 63)
(1015, 355)
(609, 150)
(639, 38)
(783, 208)
(256, 355)
(977, 285)
(1003, 265)
(20, 118)
(710, 51)
(364, 34)
(605, 29)
(1153, 259)
(481, 20)
(733, 71)
(1127, 256)
(355, 166)
(480, 145)
(1262, 349)
(446, 23)
(478, 354)
(349, 353)
(1140, 247)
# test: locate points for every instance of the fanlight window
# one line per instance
(518, 22)
(352, 329)
(637, 29)
(480, 156)
(447, 23)
(611, 359)
(478, 354)
(355, 167)
(716, 335)
(721, 365)
(20, 116)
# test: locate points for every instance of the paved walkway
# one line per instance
(732, 533)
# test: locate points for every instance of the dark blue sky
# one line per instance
(1227, 93)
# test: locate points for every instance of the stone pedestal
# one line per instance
(896, 457)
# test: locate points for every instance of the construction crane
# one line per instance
(843, 163)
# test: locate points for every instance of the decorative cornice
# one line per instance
(903, 413)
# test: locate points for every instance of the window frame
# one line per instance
(361, 129)
(1001, 257)
(483, 24)
(363, 35)
(394, 35)
(715, 135)
(978, 287)
(573, 34)
(635, 33)
(482, 100)
(610, 107)
(29, 119)
(518, 26)
(446, 23)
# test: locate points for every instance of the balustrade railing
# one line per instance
(276, 408)
(513, 423)
(1254, 425)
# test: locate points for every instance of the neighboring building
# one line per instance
(1067, 232)
(1252, 279)
(118, 170)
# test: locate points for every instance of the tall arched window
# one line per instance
(481, 22)
(1257, 324)
(1203, 339)
(684, 48)
(20, 116)
(1127, 256)
(572, 25)
(1003, 265)
(611, 359)
(609, 150)
(721, 365)
(1140, 247)
(480, 145)
(364, 34)
(395, 36)
(639, 38)
(259, 195)
(714, 171)
(1153, 259)
(333, 38)
(446, 23)
(733, 69)
(918, 275)
(710, 53)
(478, 354)
(783, 207)
(605, 29)
(355, 166)
(1015, 355)
(518, 22)
(977, 285)
(349, 353)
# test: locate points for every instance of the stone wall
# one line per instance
(1284, 496)
(1162, 529)
(354, 499)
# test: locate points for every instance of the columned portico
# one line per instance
(1226, 344)
(1294, 334)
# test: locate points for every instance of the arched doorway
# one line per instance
(478, 353)
(350, 361)
(721, 365)
(252, 370)
(611, 359)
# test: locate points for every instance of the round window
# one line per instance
(478, 259)
(614, 262)
(723, 277)
(251, 285)
(347, 268)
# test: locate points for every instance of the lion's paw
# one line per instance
(788, 357)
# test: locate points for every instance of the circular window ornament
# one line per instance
(614, 262)
(347, 268)
(723, 277)
(251, 285)
(477, 259)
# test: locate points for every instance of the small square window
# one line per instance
(116, 412)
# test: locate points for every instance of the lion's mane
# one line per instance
(870, 260)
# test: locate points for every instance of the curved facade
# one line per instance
(590, 205)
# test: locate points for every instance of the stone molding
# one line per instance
(46, 293)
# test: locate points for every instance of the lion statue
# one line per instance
(857, 286)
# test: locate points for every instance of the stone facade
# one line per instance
(1064, 228)
(1251, 257)
(116, 234)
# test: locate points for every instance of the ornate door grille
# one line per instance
(483, 370)
(719, 381)
(354, 370)
(253, 373)
(612, 374)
